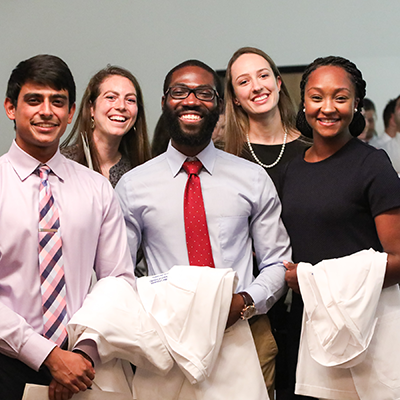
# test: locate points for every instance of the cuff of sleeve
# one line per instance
(35, 350)
(258, 295)
(268, 287)
(89, 347)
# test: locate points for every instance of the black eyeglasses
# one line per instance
(201, 93)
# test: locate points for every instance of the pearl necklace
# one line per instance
(280, 153)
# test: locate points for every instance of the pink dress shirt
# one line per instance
(93, 234)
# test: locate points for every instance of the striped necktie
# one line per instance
(197, 237)
(51, 264)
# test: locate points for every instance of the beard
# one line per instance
(193, 139)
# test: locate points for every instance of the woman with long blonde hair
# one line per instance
(260, 125)
(260, 118)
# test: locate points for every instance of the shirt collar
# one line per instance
(176, 159)
(25, 165)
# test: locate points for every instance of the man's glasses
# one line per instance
(201, 93)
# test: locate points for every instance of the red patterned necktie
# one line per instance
(197, 237)
(51, 265)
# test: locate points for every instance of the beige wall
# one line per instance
(151, 36)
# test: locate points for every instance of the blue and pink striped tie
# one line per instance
(51, 265)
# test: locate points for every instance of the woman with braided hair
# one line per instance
(340, 197)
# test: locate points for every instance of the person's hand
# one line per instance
(291, 276)
(71, 373)
(237, 305)
(59, 392)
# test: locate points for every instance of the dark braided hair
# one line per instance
(357, 125)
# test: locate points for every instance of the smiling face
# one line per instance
(329, 102)
(41, 117)
(115, 109)
(255, 86)
(191, 121)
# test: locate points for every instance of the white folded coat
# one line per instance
(188, 308)
(350, 330)
(113, 317)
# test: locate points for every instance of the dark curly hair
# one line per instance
(193, 63)
(357, 125)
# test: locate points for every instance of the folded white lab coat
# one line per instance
(191, 308)
(113, 316)
(350, 330)
(188, 307)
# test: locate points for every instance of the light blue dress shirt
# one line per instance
(242, 209)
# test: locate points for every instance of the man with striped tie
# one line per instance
(59, 222)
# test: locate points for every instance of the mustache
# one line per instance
(190, 108)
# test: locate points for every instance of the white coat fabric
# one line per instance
(350, 330)
(188, 307)
(191, 308)
(113, 317)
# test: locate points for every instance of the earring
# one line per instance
(93, 124)
(236, 101)
(355, 110)
(304, 110)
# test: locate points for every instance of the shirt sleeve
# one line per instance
(271, 245)
(112, 255)
(382, 183)
(19, 340)
(131, 216)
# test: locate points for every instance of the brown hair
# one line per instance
(237, 121)
(134, 144)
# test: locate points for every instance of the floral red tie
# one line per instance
(197, 237)
(51, 264)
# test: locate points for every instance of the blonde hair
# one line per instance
(236, 120)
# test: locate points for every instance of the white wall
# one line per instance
(149, 37)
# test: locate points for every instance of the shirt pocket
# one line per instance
(233, 236)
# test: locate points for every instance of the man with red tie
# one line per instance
(198, 205)
(59, 222)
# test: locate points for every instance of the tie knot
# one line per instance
(192, 167)
(44, 172)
